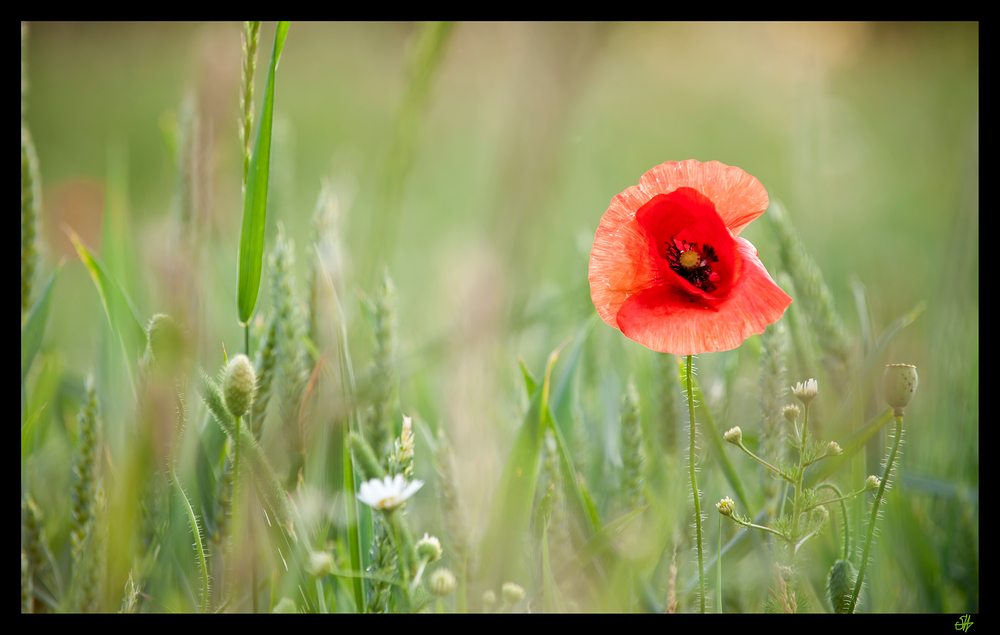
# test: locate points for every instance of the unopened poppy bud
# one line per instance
(806, 391)
(899, 382)
(726, 506)
(512, 593)
(834, 449)
(429, 548)
(734, 435)
(872, 482)
(840, 586)
(239, 385)
(442, 582)
(791, 412)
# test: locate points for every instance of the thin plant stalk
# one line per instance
(874, 516)
(718, 575)
(798, 485)
(694, 487)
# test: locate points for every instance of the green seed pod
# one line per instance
(840, 585)
(239, 385)
(899, 382)
(442, 582)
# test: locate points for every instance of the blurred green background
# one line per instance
(867, 133)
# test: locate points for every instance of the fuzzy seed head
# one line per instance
(806, 391)
(726, 506)
(734, 435)
(791, 412)
(834, 449)
(442, 582)
(899, 382)
(320, 564)
(239, 385)
(512, 593)
(429, 548)
(489, 599)
(872, 483)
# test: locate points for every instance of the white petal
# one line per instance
(412, 489)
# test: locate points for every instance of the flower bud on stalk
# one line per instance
(899, 382)
(442, 582)
(239, 385)
(734, 435)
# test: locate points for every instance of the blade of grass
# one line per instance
(515, 494)
(118, 307)
(251, 254)
(353, 533)
(34, 327)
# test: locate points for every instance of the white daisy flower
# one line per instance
(807, 391)
(389, 493)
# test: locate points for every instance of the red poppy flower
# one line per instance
(668, 269)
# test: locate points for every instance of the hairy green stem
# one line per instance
(718, 572)
(694, 487)
(874, 516)
(798, 485)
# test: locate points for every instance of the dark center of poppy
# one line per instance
(693, 263)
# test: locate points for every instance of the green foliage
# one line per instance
(251, 251)
(486, 225)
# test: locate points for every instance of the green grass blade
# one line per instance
(353, 533)
(34, 327)
(714, 437)
(199, 549)
(118, 307)
(580, 499)
(530, 383)
(251, 254)
(515, 495)
(601, 542)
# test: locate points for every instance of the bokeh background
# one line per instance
(868, 134)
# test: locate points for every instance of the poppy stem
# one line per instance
(694, 487)
(871, 521)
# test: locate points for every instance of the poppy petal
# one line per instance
(667, 319)
(739, 197)
(621, 262)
